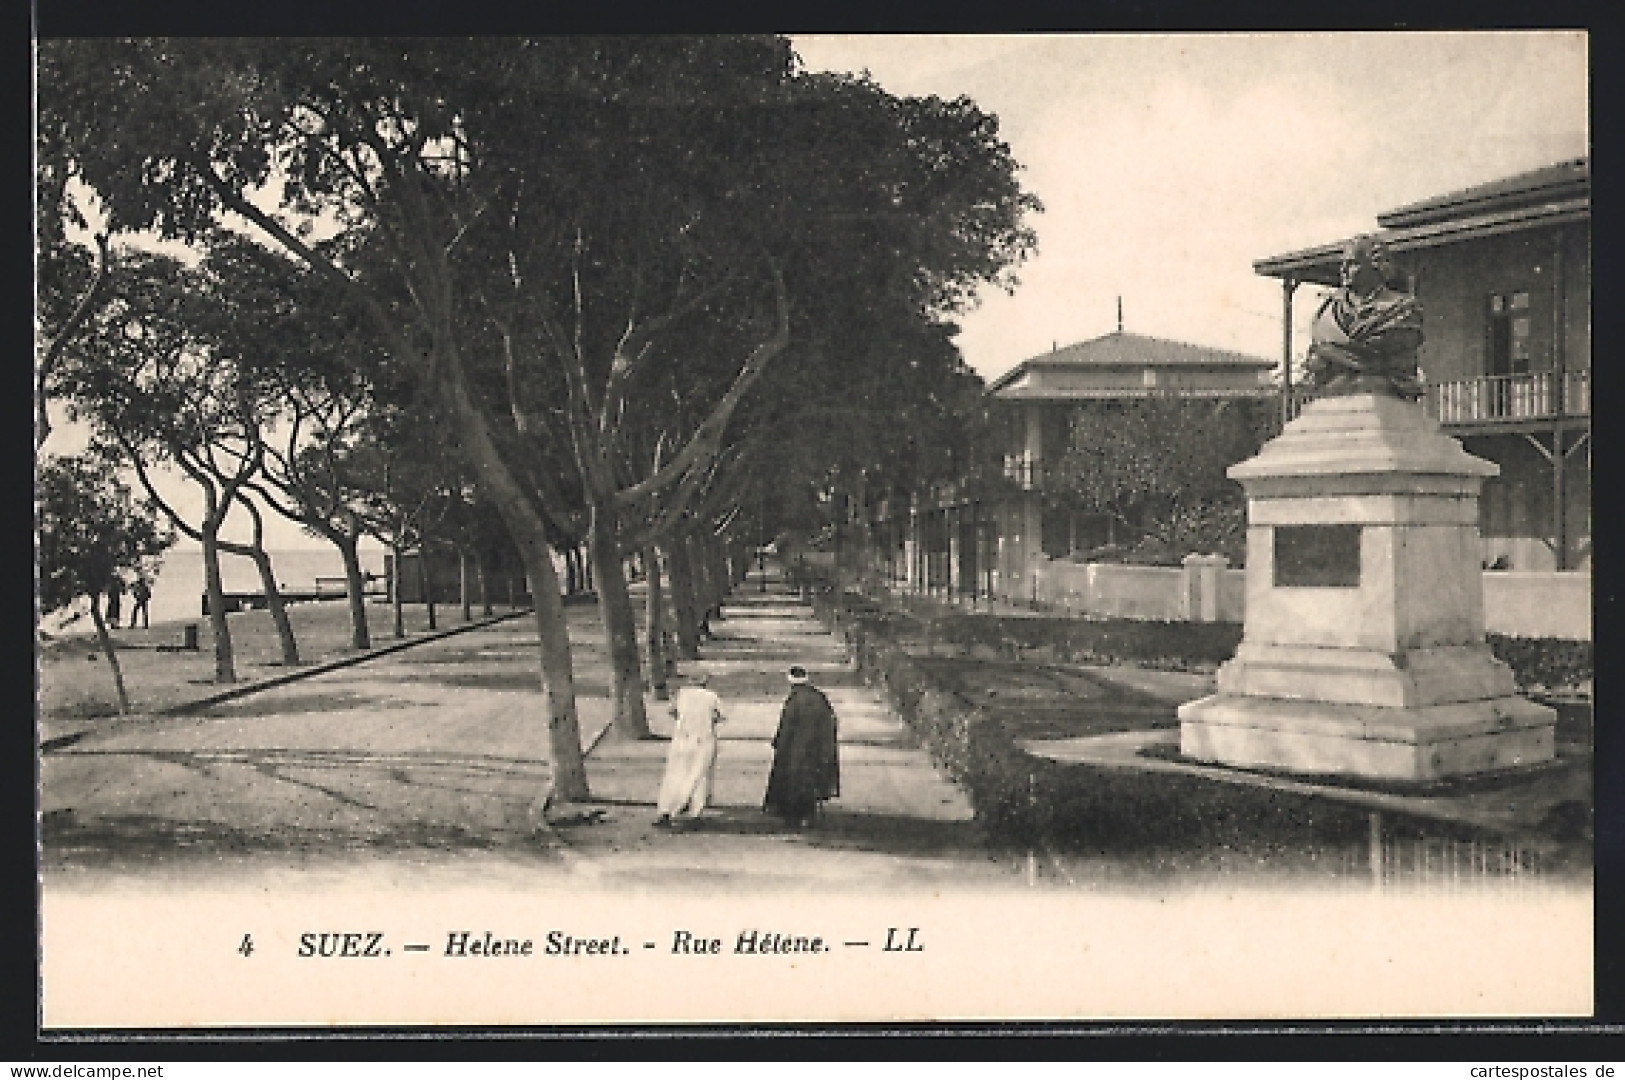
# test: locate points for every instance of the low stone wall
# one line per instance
(1202, 590)
(1555, 604)
(1137, 592)
(1517, 604)
(1110, 590)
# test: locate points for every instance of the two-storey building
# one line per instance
(1503, 271)
(1039, 400)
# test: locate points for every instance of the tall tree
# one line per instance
(90, 532)
(150, 383)
(654, 244)
(318, 381)
(1157, 467)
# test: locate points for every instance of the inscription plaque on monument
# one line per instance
(1317, 556)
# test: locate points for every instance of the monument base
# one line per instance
(1368, 741)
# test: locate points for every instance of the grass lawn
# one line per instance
(1048, 701)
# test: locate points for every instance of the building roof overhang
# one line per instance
(1319, 264)
(1564, 180)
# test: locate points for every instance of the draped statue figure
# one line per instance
(1366, 333)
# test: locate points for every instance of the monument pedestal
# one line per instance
(1363, 652)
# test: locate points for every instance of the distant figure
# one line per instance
(1365, 336)
(691, 760)
(115, 598)
(141, 592)
(806, 758)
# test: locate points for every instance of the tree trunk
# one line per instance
(704, 580)
(558, 670)
(700, 579)
(682, 598)
(426, 583)
(527, 530)
(480, 579)
(620, 629)
(225, 667)
(106, 641)
(278, 609)
(273, 595)
(654, 618)
(354, 589)
(719, 576)
(395, 590)
(462, 584)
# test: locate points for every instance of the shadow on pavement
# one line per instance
(291, 702)
(835, 830)
(847, 830)
(149, 842)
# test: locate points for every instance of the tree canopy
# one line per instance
(1157, 465)
(591, 257)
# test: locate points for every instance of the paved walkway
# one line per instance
(427, 761)
(897, 817)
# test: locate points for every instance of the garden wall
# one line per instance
(1202, 590)
(1538, 605)
(1108, 590)
(1516, 604)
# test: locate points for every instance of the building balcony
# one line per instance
(1488, 401)
(1499, 398)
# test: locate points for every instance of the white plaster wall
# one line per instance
(1538, 604)
(1138, 592)
(1112, 591)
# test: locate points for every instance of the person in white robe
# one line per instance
(691, 760)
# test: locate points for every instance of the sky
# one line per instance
(1168, 164)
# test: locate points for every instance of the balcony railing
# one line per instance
(1492, 399)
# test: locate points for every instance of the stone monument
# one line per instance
(1363, 650)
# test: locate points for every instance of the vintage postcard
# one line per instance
(814, 529)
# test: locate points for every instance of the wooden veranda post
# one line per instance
(1560, 538)
(1289, 285)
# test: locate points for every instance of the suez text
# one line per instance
(365, 944)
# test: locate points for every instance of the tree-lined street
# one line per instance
(591, 288)
(430, 758)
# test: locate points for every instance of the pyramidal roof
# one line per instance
(1125, 350)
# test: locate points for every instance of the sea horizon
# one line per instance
(177, 591)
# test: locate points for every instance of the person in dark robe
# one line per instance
(806, 759)
(1366, 334)
(141, 593)
(115, 597)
